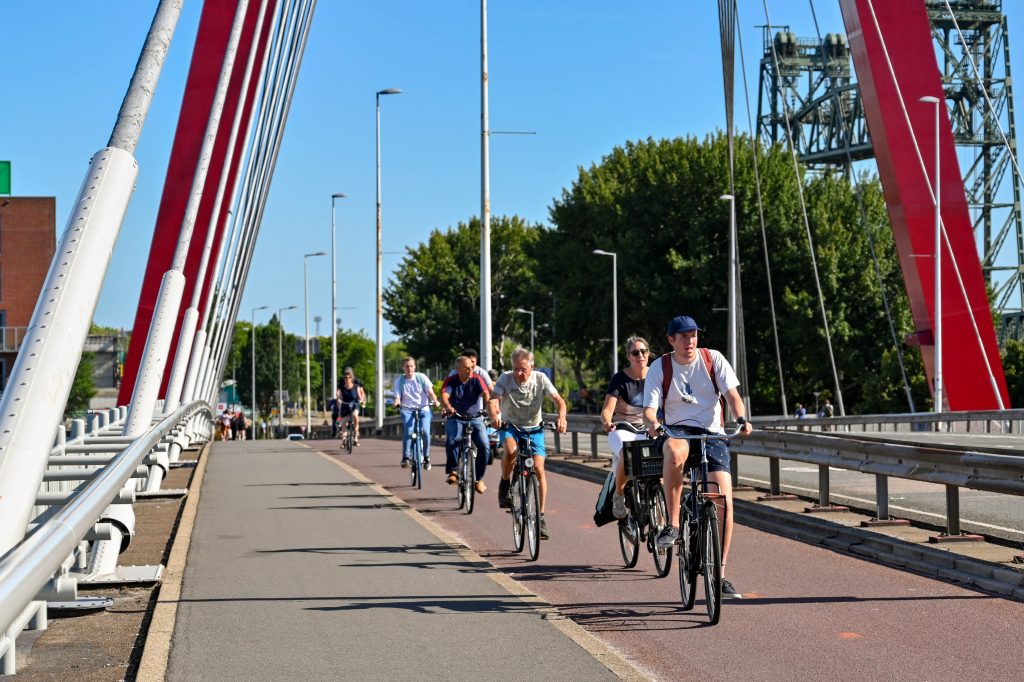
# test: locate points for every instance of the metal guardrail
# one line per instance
(809, 440)
(29, 566)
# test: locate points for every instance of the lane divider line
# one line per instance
(603, 652)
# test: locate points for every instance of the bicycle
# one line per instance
(647, 512)
(348, 430)
(699, 538)
(466, 467)
(525, 492)
(416, 445)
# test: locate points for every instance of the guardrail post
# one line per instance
(774, 483)
(824, 495)
(77, 428)
(575, 444)
(953, 532)
(558, 443)
(882, 517)
(593, 444)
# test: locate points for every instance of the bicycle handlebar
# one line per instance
(550, 426)
(629, 426)
(665, 430)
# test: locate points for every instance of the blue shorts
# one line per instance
(536, 439)
(717, 450)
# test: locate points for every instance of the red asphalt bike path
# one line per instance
(808, 613)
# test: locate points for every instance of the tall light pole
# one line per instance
(733, 267)
(485, 200)
(530, 313)
(934, 101)
(334, 301)
(379, 393)
(280, 363)
(253, 353)
(615, 307)
(305, 286)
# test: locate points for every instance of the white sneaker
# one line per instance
(619, 507)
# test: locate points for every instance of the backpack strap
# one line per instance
(666, 376)
(709, 366)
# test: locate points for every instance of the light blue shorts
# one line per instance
(536, 439)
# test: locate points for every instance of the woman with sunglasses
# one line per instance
(623, 402)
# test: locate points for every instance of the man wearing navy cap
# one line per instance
(699, 378)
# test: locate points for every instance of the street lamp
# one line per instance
(733, 267)
(280, 363)
(253, 336)
(934, 101)
(530, 313)
(305, 283)
(615, 307)
(334, 302)
(379, 400)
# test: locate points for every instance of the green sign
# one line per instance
(5, 177)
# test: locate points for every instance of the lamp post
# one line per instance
(934, 101)
(733, 266)
(379, 393)
(253, 353)
(334, 302)
(305, 285)
(280, 363)
(530, 313)
(615, 307)
(485, 200)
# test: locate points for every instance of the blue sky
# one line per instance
(585, 75)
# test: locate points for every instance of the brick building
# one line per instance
(27, 241)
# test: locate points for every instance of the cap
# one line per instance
(683, 323)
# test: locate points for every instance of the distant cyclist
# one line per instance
(693, 399)
(463, 394)
(350, 398)
(516, 400)
(624, 402)
(415, 393)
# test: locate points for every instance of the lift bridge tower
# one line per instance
(810, 83)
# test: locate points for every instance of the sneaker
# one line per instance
(405, 462)
(667, 537)
(728, 591)
(480, 488)
(503, 494)
(543, 531)
(453, 478)
(619, 507)
(426, 463)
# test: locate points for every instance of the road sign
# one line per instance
(5, 177)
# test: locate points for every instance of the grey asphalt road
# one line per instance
(298, 571)
(808, 613)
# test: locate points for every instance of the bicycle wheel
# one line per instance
(460, 487)
(688, 559)
(712, 550)
(532, 512)
(658, 512)
(349, 438)
(629, 532)
(469, 476)
(415, 462)
(517, 511)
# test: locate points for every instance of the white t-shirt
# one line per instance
(412, 393)
(691, 380)
(521, 405)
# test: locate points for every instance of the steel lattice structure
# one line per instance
(823, 105)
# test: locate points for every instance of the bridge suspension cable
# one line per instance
(807, 228)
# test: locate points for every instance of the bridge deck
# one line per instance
(316, 573)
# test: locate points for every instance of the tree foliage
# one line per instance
(433, 303)
(656, 203)
(83, 388)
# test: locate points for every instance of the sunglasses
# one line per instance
(637, 352)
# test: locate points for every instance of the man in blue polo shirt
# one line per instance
(462, 393)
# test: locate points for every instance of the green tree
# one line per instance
(433, 303)
(656, 203)
(83, 388)
(1013, 367)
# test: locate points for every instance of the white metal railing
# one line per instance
(27, 568)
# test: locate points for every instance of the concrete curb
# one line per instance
(156, 650)
(932, 562)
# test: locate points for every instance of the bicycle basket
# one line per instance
(641, 458)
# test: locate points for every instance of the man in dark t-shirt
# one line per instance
(462, 394)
